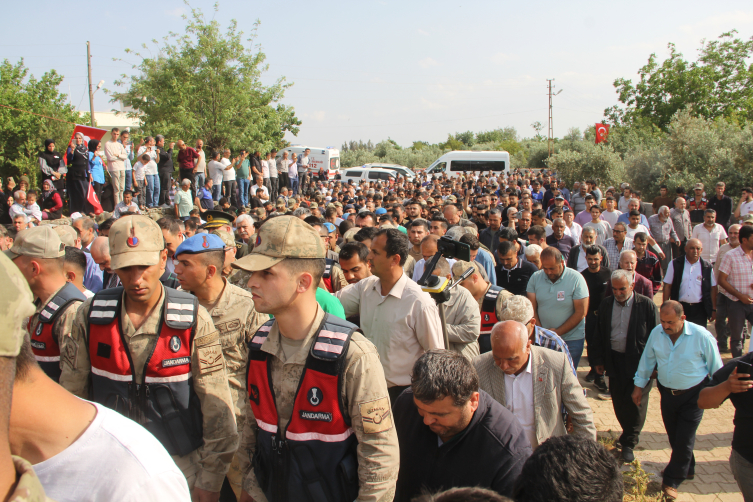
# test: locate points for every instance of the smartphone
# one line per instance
(744, 368)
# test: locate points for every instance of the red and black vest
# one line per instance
(314, 458)
(488, 318)
(44, 343)
(327, 276)
(165, 403)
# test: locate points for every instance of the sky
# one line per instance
(407, 70)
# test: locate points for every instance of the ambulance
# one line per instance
(327, 157)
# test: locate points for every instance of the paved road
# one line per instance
(713, 480)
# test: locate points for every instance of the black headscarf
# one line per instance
(51, 157)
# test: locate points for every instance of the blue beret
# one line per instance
(380, 211)
(200, 243)
(329, 226)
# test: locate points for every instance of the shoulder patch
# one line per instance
(212, 337)
(376, 415)
(210, 358)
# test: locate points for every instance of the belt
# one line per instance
(678, 392)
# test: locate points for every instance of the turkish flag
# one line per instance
(93, 200)
(88, 132)
(602, 131)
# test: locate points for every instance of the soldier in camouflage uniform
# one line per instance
(39, 254)
(15, 306)
(153, 323)
(286, 265)
(199, 269)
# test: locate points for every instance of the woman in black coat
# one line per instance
(78, 174)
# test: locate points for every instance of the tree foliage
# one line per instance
(22, 135)
(206, 84)
(718, 84)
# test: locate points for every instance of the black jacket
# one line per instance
(572, 259)
(490, 452)
(643, 318)
(165, 162)
(517, 279)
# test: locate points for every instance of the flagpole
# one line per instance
(91, 94)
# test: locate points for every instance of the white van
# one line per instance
(318, 157)
(455, 163)
(400, 170)
(376, 174)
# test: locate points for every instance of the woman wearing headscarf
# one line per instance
(96, 168)
(50, 161)
(50, 201)
(78, 174)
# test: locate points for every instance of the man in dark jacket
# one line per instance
(447, 428)
(577, 257)
(165, 168)
(625, 321)
(512, 272)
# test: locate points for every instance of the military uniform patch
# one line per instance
(376, 416)
(228, 327)
(210, 358)
(207, 339)
(69, 354)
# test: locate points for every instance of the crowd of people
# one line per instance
(275, 341)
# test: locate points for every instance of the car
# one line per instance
(400, 170)
(358, 174)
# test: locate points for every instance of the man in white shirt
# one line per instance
(711, 234)
(88, 451)
(694, 284)
(575, 229)
(400, 319)
(273, 174)
(228, 178)
(746, 204)
(116, 156)
(201, 166)
(611, 214)
(126, 206)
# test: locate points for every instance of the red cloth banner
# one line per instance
(88, 132)
(602, 131)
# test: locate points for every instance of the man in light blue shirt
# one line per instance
(685, 356)
(560, 300)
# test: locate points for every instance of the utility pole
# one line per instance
(550, 139)
(91, 94)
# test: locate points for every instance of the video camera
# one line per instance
(437, 287)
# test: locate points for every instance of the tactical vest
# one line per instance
(314, 458)
(327, 276)
(488, 317)
(43, 342)
(165, 403)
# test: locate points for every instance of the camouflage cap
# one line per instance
(292, 202)
(460, 267)
(748, 218)
(67, 234)
(15, 306)
(135, 240)
(313, 205)
(279, 238)
(102, 217)
(226, 235)
(37, 242)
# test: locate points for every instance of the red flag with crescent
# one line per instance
(88, 132)
(602, 131)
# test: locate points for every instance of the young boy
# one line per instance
(32, 208)
(139, 178)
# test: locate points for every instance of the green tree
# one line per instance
(718, 84)
(22, 135)
(206, 84)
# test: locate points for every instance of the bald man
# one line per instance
(100, 251)
(533, 383)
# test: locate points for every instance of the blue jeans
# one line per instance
(243, 186)
(152, 190)
(198, 183)
(217, 192)
(576, 350)
(129, 179)
(294, 185)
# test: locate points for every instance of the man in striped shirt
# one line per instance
(736, 281)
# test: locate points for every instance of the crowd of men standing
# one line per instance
(278, 345)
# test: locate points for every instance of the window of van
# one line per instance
(439, 168)
(378, 176)
(477, 165)
(354, 174)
